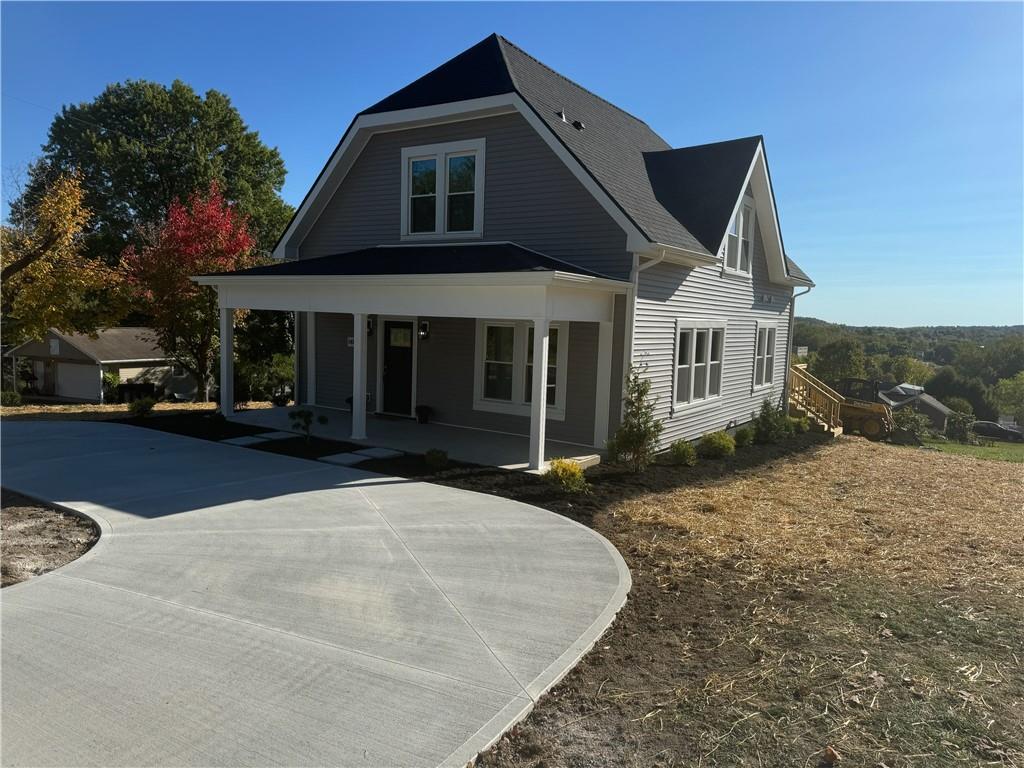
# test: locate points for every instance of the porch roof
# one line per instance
(421, 259)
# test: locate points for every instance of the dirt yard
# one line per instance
(97, 412)
(35, 538)
(851, 596)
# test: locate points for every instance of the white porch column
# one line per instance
(358, 376)
(296, 378)
(310, 358)
(539, 395)
(604, 383)
(227, 360)
(101, 385)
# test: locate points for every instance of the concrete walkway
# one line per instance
(245, 608)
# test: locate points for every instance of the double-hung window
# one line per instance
(699, 355)
(739, 245)
(442, 190)
(503, 381)
(764, 355)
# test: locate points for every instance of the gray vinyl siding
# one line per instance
(334, 361)
(445, 382)
(667, 292)
(530, 197)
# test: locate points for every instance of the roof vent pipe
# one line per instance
(578, 125)
(561, 115)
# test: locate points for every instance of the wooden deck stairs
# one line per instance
(813, 398)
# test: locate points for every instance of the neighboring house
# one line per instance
(913, 396)
(492, 209)
(71, 365)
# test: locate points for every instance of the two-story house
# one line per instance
(499, 244)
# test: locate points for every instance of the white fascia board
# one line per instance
(764, 204)
(162, 360)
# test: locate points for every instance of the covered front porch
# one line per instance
(502, 347)
(473, 446)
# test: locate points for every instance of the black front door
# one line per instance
(397, 371)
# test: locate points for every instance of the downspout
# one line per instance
(631, 297)
(789, 344)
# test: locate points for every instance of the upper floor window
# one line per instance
(739, 246)
(442, 190)
(699, 352)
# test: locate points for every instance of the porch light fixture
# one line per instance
(424, 329)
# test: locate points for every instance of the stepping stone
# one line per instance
(277, 435)
(344, 459)
(244, 440)
(379, 453)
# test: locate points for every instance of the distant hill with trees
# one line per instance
(981, 365)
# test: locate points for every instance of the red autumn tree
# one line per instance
(202, 236)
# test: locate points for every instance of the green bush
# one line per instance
(611, 449)
(958, 404)
(800, 425)
(683, 453)
(716, 445)
(916, 424)
(10, 398)
(771, 424)
(111, 380)
(958, 427)
(141, 407)
(568, 474)
(637, 437)
(302, 420)
(436, 459)
(744, 437)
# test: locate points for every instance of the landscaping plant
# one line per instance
(682, 453)
(436, 459)
(568, 474)
(771, 424)
(716, 445)
(744, 437)
(9, 398)
(302, 420)
(636, 439)
(799, 425)
(915, 424)
(958, 427)
(141, 407)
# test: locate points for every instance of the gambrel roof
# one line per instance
(679, 198)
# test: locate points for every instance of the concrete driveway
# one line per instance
(243, 608)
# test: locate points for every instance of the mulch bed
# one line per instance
(303, 448)
(205, 426)
(35, 538)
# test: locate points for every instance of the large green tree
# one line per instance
(139, 146)
(838, 360)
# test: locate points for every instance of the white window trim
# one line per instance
(747, 204)
(765, 325)
(518, 406)
(440, 153)
(693, 325)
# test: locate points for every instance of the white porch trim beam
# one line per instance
(227, 360)
(358, 376)
(539, 395)
(604, 383)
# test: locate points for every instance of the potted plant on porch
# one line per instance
(423, 413)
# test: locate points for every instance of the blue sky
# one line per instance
(894, 131)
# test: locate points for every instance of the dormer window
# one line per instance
(739, 246)
(442, 190)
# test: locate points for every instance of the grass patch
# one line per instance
(995, 451)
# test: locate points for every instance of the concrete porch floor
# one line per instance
(462, 443)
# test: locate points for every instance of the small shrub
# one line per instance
(436, 459)
(141, 407)
(637, 437)
(958, 427)
(716, 445)
(10, 398)
(568, 474)
(770, 426)
(682, 453)
(913, 423)
(744, 437)
(611, 448)
(302, 420)
(111, 381)
(800, 425)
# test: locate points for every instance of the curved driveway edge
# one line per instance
(244, 608)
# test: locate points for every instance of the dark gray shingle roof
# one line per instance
(112, 344)
(423, 260)
(674, 196)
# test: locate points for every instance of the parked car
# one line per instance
(995, 431)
